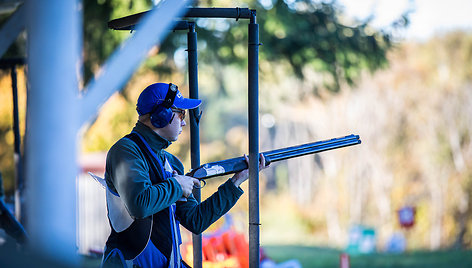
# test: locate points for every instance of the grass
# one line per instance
(316, 257)
(313, 257)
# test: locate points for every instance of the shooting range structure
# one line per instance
(130, 23)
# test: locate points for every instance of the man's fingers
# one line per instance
(196, 183)
(262, 159)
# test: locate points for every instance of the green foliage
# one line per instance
(304, 34)
(311, 34)
(99, 41)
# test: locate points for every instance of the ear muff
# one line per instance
(162, 113)
(161, 116)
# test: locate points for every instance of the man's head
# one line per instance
(162, 107)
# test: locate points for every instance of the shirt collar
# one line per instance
(155, 140)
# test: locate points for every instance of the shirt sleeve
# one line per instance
(198, 217)
(128, 173)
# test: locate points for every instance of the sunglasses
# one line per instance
(180, 112)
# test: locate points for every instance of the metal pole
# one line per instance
(253, 103)
(52, 126)
(17, 155)
(194, 129)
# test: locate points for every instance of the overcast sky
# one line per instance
(428, 17)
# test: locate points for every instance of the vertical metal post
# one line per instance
(17, 155)
(52, 126)
(194, 129)
(253, 103)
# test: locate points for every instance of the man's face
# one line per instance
(172, 131)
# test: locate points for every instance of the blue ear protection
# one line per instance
(161, 114)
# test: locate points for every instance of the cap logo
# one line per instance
(179, 95)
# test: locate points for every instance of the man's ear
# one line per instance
(144, 118)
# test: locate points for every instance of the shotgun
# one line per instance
(233, 165)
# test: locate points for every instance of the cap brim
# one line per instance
(184, 103)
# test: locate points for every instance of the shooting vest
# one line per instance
(154, 239)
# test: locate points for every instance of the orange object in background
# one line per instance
(225, 250)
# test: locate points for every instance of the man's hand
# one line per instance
(242, 176)
(186, 183)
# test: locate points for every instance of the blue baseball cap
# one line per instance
(156, 93)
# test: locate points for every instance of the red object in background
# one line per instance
(406, 216)
(344, 261)
(228, 249)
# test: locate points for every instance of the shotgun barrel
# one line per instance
(237, 164)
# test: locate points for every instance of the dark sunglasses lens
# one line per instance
(180, 112)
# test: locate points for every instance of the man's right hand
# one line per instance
(186, 183)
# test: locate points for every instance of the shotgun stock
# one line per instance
(233, 165)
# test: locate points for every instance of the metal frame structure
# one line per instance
(131, 22)
(57, 112)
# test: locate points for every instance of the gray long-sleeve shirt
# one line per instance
(127, 173)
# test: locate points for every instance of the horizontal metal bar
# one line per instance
(129, 22)
(230, 13)
(179, 25)
(182, 25)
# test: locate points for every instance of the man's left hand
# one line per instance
(243, 175)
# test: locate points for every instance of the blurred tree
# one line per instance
(305, 34)
(99, 41)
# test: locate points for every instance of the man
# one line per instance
(147, 194)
